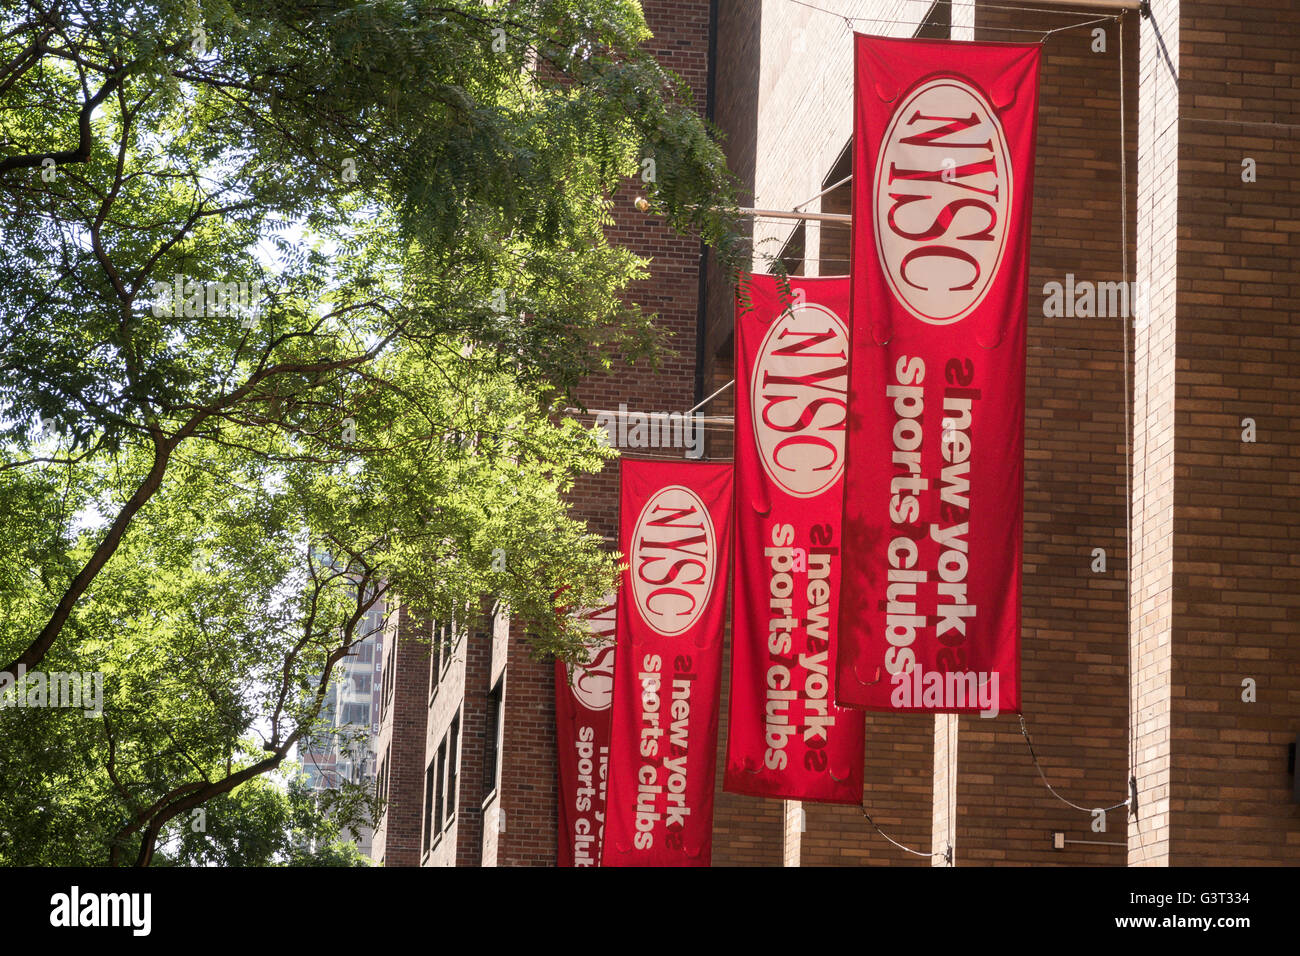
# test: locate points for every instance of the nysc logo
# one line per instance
(593, 683)
(673, 560)
(799, 399)
(942, 200)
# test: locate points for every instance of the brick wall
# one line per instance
(1151, 582)
(461, 694)
(1235, 612)
(680, 43)
(529, 785)
(475, 775)
(444, 699)
(1074, 653)
(401, 738)
(499, 648)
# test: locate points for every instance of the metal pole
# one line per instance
(713, 396)
(783, 214)
(846, 179)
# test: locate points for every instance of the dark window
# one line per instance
(429, 774)
(366, 653)
(440, 769)
(833, 255)
(435, 659)
(937, 24)
(453, 755)
(793, 252)
(447, 641)
(441, 641)
(492, 740)
(387, 677)
(381, 780)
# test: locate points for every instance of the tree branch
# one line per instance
(85, 138)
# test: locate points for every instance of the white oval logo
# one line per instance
(798, 399)
(673, 560)
(593, 683)
(943, 198)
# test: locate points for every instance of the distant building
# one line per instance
(346, 751)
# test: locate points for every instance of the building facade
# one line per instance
(1161, 627)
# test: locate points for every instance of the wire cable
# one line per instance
(904, 848)
(1075, 26)
(849, 21)
(1024, 730)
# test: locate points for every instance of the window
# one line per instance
(492, 739)
(447, 643)
(361, 683)
(381, 778)
(387, 676)
(429, 774)
(440, 780)
(441, 645)
(439, 769)
(435, 659)
(833, 250)
(453, 755)
(366, 653)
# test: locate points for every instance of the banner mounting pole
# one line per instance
(712, 397)
(784, 214)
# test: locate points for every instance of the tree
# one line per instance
(280, 281)
(263, 823)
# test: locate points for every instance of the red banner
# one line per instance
(785, 736)
(675, 535)
(943, 181)
(582, 703)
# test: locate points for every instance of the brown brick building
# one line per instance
(403, 715)
(1181, 421)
